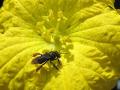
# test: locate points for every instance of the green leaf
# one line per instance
(88, 32)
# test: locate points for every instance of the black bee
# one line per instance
(48, 56)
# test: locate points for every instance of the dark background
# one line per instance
(1, 3)
(117, 4)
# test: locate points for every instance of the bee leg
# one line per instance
(54, 65)
(59, 62)
(38, 68)
(35, 54)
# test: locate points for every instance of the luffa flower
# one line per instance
(87, 31)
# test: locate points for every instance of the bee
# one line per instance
(44, 58)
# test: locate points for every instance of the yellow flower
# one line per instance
(86, 31)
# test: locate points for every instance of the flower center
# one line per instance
(51, 27)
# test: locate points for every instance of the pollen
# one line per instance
(50, 28)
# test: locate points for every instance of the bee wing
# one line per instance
(35, 60)
(38, 68)
(35, 54)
